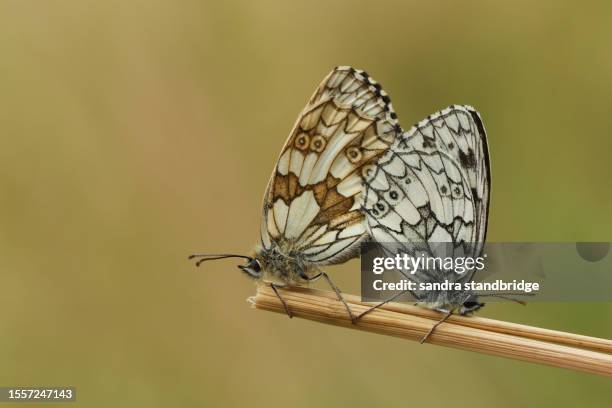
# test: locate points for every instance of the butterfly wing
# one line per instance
(432, 186)
(313, 200)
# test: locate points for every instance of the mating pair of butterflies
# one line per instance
(349, 173)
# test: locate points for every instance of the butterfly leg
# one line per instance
(429, 333)
(273, 286)
(322, 274)
(391, 299)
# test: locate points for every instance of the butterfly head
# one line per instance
(470, 305)
(252, 267)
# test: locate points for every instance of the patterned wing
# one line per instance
(313, 200)
(432, 186)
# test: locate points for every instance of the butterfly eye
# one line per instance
(301, 142)
(354, 154)
(317, 144)
(255, 265)
(252, 268)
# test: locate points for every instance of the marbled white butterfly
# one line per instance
(349, 173)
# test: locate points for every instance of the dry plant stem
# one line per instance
(520, 330)
(491, 325)
(508, 340)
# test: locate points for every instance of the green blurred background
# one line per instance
(136, 132)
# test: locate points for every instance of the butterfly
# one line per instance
(348, 173)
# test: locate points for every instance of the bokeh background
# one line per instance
(136, 132)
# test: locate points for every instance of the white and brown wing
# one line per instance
(313, 200)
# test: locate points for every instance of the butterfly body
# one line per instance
(282, 264)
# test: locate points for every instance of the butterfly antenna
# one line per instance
(212, 257)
